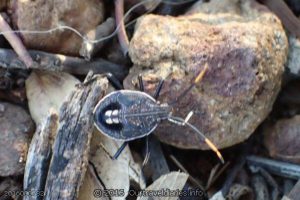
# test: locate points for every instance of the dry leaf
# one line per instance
(218, 196)
(115, 174)
(47, 90)
(91, 186)
(172, 181)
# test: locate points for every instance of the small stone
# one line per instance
(16, 128)
(43, 15)
(245, 47)
(2, 108)
(282, 139)
(293, 63)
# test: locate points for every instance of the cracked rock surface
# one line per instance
(245, 47)
(16, 129)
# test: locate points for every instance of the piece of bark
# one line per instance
(38, 157)
(88, 49)
(58, 62)
(71, 146)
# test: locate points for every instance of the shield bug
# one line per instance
(128, 115)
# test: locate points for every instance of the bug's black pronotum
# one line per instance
(128, 115)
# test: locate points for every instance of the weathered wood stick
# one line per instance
(38, 158)
(71, 145)
(58, 62)
(279, 168)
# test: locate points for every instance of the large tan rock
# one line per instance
(245, 47)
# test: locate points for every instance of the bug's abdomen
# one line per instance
(128, 115)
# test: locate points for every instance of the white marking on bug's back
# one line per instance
(112, 117)
(108, 113)
(115, 120)
(115, 113)
(109, 121)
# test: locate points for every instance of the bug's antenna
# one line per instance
(198, 78)
(184, 122)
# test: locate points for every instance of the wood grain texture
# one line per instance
(71, 146)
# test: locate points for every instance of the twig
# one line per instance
(15, 42)
(192, 179)
(212, 174)
(57, 62)
(289, 20)
(260, 187)
(123, 39)
(279, 168)
(232, 174)
(218, 174)
(270, 180)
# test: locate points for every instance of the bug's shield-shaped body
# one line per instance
(127, 115)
